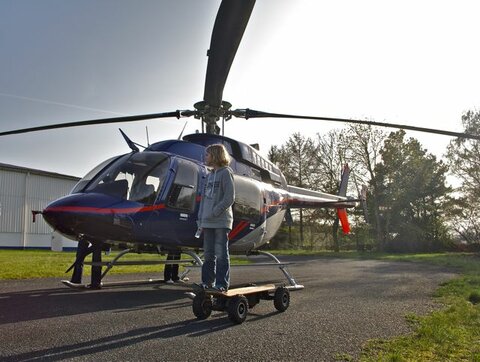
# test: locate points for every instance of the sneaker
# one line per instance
(219, 289)
(179, 281)
(169, 281)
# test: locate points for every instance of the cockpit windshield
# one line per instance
(89, 176)
(135, 177)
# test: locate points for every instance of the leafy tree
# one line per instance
(412, 195)
(464, 159)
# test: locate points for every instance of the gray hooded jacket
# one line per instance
(217, 199)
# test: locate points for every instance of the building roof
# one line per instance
(7, 167)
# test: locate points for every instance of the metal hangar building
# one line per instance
(21, 191)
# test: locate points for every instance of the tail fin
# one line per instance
(342, 213)
(344, 181)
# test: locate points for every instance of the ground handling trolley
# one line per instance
(237, 301)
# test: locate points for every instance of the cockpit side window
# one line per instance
(137, 177)
(183, 191)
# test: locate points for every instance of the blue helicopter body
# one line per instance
(152, 197)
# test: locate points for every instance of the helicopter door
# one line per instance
(183, 191)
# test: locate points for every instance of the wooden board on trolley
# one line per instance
(242, 291)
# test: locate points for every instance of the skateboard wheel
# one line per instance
(281, 299)
(202, 306)
(238, 309)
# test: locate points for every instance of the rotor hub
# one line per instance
(210, 115)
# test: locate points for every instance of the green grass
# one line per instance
(29, 264)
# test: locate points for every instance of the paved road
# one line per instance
(344, 303)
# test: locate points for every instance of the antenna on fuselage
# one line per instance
(130, 143)
(148, 139)
(183, 129)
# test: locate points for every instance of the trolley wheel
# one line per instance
(253, 300)
(237, 309)
(281, 299)
(202, 306)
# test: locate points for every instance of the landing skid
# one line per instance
(194, 261)
(69, 284)
(114, 284)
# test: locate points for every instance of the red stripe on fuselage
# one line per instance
(102, 210)
(236, 230)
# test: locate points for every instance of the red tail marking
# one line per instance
(342, 215)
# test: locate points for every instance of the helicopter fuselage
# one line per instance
(152, 197)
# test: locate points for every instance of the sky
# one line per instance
(409, 62)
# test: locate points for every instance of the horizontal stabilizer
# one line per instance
(300, 197)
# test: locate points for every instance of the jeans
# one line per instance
(171, 270)
(216, 267)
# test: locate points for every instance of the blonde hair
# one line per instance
(219, 154)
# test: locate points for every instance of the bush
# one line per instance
(474, 297)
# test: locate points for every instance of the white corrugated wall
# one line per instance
(12, 199)
(20, 193)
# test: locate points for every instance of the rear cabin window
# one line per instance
(248, 200)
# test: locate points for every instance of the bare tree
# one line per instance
(365, 144)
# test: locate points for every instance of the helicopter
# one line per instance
(150, 198)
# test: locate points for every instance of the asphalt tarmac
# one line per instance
(344, 304)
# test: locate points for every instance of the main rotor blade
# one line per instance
(230, 24)
(249, 113)
(142, 117)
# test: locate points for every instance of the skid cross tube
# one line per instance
(197, 261)
(282, 266)
(110, 264)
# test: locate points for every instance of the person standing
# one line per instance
(215, 218)
(170, 272)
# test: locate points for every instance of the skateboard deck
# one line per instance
(241, 291)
